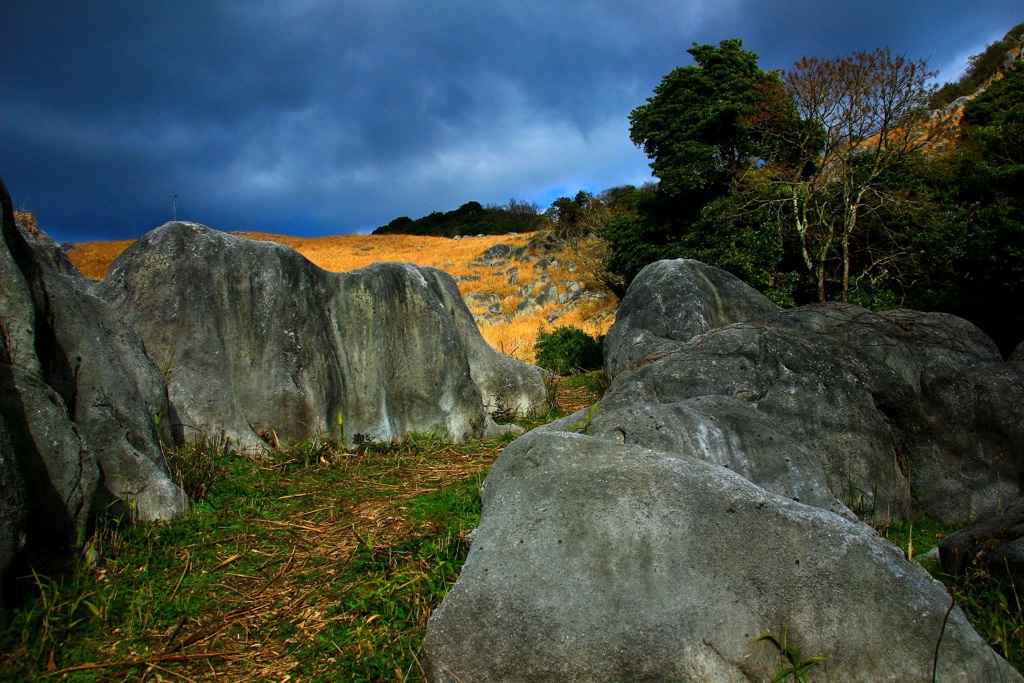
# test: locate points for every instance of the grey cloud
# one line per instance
(313, 116)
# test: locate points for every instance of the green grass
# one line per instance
(308, 562)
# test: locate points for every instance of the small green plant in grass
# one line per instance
(568, 351)
(792, 663)
(585, 424)
(318, 450)
(193, 463)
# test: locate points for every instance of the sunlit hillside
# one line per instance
(461, 258)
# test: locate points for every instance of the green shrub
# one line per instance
(568, 351)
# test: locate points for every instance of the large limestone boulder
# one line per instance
(967, 460)
(890, 404)
(597, 561)
(821, 394)
(115, 396)
(252, 337)
(673, 301)
(709, 498)
(725, 431)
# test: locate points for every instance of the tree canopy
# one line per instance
(697, 128)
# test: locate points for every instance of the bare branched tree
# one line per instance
(857, 118)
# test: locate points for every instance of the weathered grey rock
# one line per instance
(13, 506)
(967, 458)
(572, 293)
(526, 307)
(964, 447)
(728, 432)
(114, 393)
(255, 337)
(52, 254)
(501, 380)
(547, 296)
(887, 393)
(913, 343)
(596, 561)
(995, 543)
(497, 252)
(478, 298)
(672, 301)
(790, 376)
(1018, 354)
(78, 363)
(60, 473)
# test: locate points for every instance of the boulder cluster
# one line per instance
(716, 494)
(196, 331)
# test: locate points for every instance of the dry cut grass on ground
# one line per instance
(306, 563)
(459, 258)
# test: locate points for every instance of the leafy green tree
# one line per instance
(568, 215)
(704, 129)
(697, 127)
(975, 244)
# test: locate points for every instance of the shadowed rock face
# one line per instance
(890, 404)
(13, 509)
(254, 337)
(77, 395)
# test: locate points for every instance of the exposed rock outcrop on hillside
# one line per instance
(707, 499)
(253, 337)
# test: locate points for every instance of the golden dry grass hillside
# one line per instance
(495, 287)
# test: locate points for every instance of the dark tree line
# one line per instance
(472, 218)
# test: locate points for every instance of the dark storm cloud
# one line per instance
(312, 116)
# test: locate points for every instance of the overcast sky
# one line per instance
(315, 117)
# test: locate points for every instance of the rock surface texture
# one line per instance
(596, 561)
(710, 497)
(78, 396)
(673, 301)
(893, 406)
(13, 508)
(253, 337)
